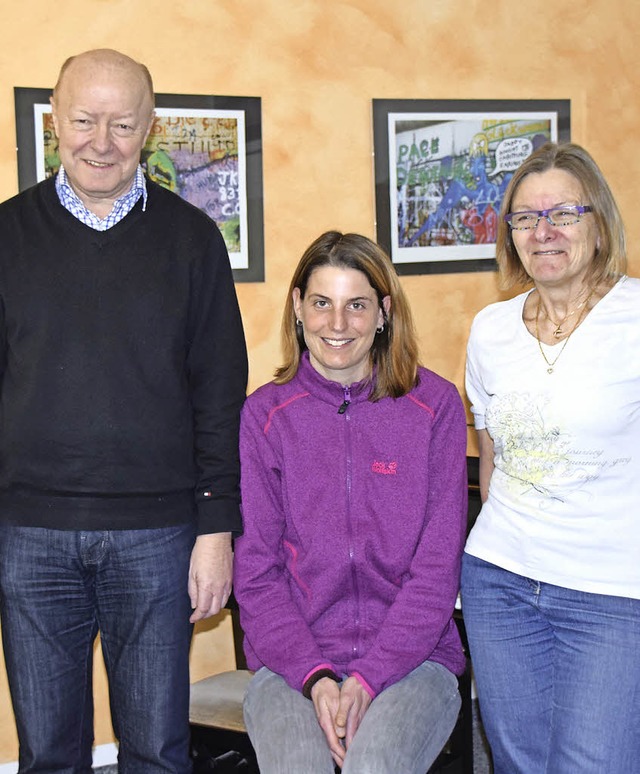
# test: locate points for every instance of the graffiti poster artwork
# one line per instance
(447, 174)
(199, 153)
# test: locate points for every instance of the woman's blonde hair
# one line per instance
(610, 259)
(394, 353)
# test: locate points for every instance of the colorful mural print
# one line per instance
(198, 154)
(450, 173)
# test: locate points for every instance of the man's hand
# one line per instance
(354, 702)
(210, 574)
(325, 695)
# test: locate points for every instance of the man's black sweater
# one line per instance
(122, 365)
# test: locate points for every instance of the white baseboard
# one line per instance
(103, 755)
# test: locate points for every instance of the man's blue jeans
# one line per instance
(58, 589)
(557, 671)
(403, 731)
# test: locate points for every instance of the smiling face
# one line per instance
(102, 113)
(555, 256)
(339, 314)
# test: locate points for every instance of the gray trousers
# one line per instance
(403, 731)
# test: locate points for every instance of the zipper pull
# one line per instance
(346, 401)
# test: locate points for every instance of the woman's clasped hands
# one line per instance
(340, 708)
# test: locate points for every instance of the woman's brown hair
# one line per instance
(394, 353)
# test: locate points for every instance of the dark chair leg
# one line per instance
(226, 752)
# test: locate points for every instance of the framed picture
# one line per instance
(207, 149)
(441, 169)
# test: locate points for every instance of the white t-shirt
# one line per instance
(564, 497)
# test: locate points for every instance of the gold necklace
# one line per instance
(558, 330)
(551, 363)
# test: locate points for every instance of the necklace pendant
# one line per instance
(558, 332)
(550, 370)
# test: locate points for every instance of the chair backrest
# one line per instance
(238, 634)
(473, 488)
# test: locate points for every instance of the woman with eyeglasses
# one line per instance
(354, 504)
(551, 571)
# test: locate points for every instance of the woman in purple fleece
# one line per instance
(354, 504)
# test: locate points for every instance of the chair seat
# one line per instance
(217, 701)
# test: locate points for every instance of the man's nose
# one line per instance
(101, 138)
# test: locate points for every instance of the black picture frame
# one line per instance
(437, 197)
(228, 184)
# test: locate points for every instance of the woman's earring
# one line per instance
(380, 328)
(298, 322)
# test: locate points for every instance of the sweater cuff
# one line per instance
(364, 684)
(218, 514)
(323, 670)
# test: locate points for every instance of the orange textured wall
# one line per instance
(317, 64)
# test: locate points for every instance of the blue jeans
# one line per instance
(57, 590)
(403, 731)
(557, 671)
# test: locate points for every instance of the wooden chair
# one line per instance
(220, 742)
(219, 739)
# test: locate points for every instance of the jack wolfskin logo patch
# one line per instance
(385, 468)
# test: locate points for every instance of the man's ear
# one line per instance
(54, 114)
(151, 120)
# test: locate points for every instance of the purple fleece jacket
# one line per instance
(354, 526)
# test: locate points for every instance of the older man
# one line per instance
(122, 373)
